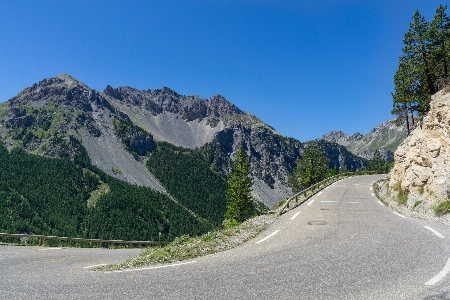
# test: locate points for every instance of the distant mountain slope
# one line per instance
(59, 197)
(121, 127)
(386, 136)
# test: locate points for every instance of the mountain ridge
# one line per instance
(55, 108)
(386, 137)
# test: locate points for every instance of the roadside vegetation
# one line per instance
(442, 208)
(187, 247)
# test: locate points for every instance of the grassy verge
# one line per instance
(442, 208)
(185, 247)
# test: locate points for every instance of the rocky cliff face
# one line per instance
(422, 162)
(386, 136)
(120, 126)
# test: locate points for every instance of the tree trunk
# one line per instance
(430, 82)
(444, 60)
(406, 118)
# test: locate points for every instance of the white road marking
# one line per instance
(439, 276)
(328, 201)
(353, 202)
(373, 195)
(399, 215)
(370, 188)
(267, 237)
(95, 266)
(380, 203)
(310, 202)
(435, 232)
(295, 216)
(319, 194)
(152, 268)
(49, 248)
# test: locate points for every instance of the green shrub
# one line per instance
(402, 197)
(280, 204)
(442, 208)
(420, 189)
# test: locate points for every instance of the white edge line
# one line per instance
(49, 248)
(399, 215)
(370, 188)
(153, 268)
(267, 237)
(95, 266)
(380, 203)
(439, 276)
(373, 195)
(310, 202)
(435, 232)
(319, 194)
(295, 216)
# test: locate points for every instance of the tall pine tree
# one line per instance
(423, 67)
(238, 192)
(439, 37)
(312, 167)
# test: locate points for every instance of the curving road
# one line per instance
(341, 244)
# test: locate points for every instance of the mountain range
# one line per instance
(386, 137)
(181, 147)
(63, 106)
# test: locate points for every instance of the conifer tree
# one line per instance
(312, 167)
(238, 192)
(423, 67)
(439, 36)
(377, 164)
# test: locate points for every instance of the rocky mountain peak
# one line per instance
(62, 90)
(336, 136)
(165, 100)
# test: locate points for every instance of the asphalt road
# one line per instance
(341, 244)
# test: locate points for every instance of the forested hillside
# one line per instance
(56, 196)
(186, 175)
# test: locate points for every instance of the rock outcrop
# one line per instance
(422, 161)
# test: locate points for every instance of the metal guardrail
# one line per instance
(305, 194)
(42, 238)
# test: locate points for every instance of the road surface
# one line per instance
(341, 244)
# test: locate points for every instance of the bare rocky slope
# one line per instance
(420, 177)
(386, 137)
(42, 117)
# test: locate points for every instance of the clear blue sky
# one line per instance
(304, 67)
